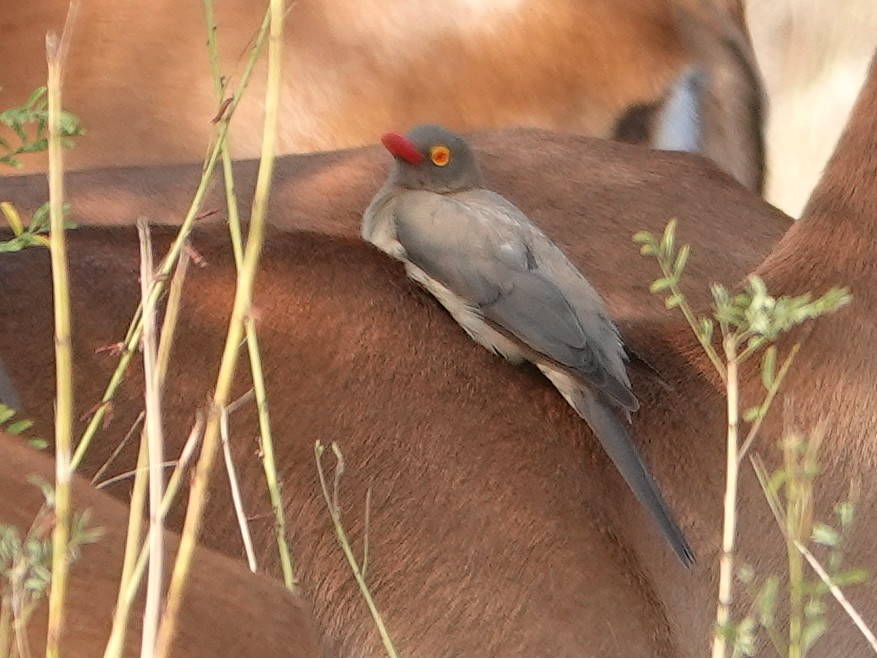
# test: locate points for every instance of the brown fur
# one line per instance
(492, 506)
(497, 525)
(138, 74)
(227, 611)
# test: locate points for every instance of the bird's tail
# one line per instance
(616, 441)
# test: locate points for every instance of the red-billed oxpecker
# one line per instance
(512, 290)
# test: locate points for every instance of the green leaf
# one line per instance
(39, 444)
(825, 535)
(766, 601)
(668, 240)
(812, 632)
(644, 237)
(674, 300)
(681, 260)
(720, 295)
(750, 414)
(19, 426)
(850, 577)
(745, 574)
(660, 284)
(35, 96)
(44, 486)
(706, 329)
(815, 607)
(744, 637)
(777, 480)
(845, 513)
(769, 367)
(12, 217)
(648, 250)
(5, 413)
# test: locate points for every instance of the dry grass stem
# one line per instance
(56, 51)
(240, 311)
(155, 442)
(236, 494)
(267, 441)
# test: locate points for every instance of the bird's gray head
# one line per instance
(431, 158)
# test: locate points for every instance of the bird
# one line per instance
(512, 290)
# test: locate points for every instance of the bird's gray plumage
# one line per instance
(512, 289)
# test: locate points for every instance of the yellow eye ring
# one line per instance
(440, 155)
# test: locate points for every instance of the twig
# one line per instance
(729, 527)
(132, 338)
(171, 316)
(839, 596)
(335, 514)
(170, 493)
(116, 643)
(56, 51)
(240, 310)
(236, 493)
(118, 448)
(155, 441)
(234, 225)
(133, 473)
(768, 400)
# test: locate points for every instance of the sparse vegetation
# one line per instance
(30, 123)
(25, 568)
(749, 324)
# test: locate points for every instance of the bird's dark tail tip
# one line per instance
(617, 443)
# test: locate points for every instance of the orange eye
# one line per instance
(440, 155)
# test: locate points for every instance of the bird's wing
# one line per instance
(480, 251)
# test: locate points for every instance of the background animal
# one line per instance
(228, 611)
(139, 76)
(493, 491)
(485, 485)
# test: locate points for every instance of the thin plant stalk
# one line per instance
(116, 644)
(56, 51)
(341, 534)
(729, 527)
(240, 310)
(234, 224)
(134, 331)
(171, 316)
(173, 487)
(692, 321)
(838, 594)
(117, 450)
(768, 400)
(155, 441)
(236, 493)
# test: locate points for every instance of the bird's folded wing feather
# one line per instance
(489, 264)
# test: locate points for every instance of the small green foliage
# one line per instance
(750, 321)
(34, 235)
(766, 601)
(18, 427)
(752, 318)
(33, 115)
(30, 123)
(26, 562)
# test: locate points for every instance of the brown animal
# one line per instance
(139, 77)
(493, 507)
(227, 612)
(497, 526)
